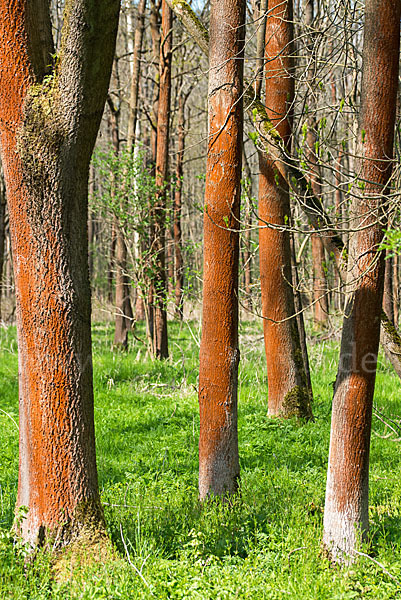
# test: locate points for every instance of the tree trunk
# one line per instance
(219, 354)
(2, 236)
(122, 297)
(136, 73)
(179, 267)
(48, 126)
(160, 343)
(320, 288)
(288, 392)
(395, 289)
(260, 16)
(246, 252)
(388, 302)
(133, 121)
(347, 506)
(300, 318)
(320, 291)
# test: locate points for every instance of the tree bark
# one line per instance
(48, 126)
(346, 508)
(288, 393)
(219, 354)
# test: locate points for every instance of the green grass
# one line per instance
(266, 544)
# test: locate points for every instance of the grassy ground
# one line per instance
(266, 545)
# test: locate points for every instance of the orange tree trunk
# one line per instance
(159, 313)
(219, 354)
(49, 120)
(287, 381)
(346, 508)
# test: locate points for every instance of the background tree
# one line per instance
(219, 353)
(288, 392)
(346, 508)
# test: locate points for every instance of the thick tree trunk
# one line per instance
(288, 392)
(160, 338)
(219, 354)
(48, 127)
(346, 508)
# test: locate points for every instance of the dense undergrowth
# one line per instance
(266, 543)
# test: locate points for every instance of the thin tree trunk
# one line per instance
(320, 288)
(219, 354)
(320, 291)
(246, 253)
(111, 263)
(346, 515)
(155, 25)
(2, 236)
(133, 121)
(388, 302)
(178, 266)
(136, 73)
(261, 16)
(122, 298)
(160, 337)
(395, 289)
(91, 223)
(300, 318)
(288, 392)
(48, 127)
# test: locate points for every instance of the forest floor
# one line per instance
(266, 544)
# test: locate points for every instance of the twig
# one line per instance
(379, 565)
(130, 561)
(292, 552)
